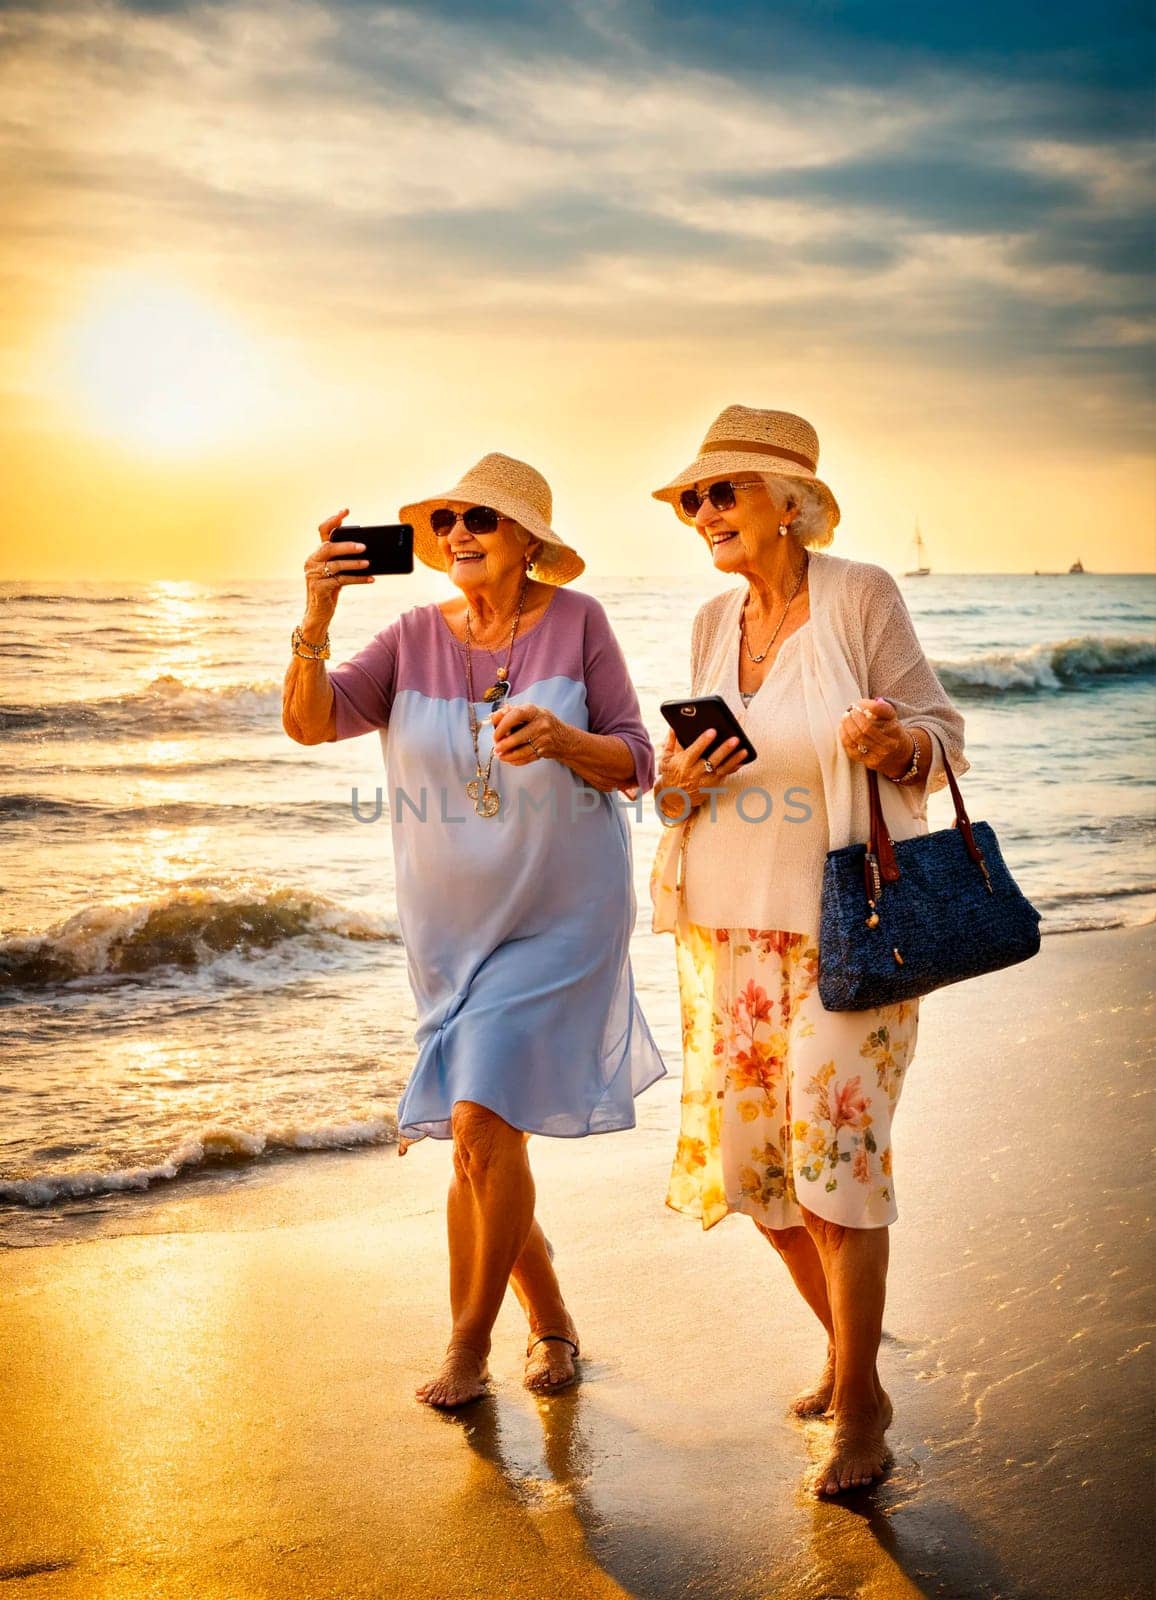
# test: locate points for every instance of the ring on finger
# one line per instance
(325, 572)
(533, 747)
(707, 764)
(862, 749)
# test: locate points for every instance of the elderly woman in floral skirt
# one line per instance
(787, 1107)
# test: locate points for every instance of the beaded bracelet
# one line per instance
(913, 770)
(307, 651)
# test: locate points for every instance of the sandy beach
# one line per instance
(218, 1401)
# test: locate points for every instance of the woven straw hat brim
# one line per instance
(556, 562)
(722, 463)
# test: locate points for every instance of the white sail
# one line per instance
(921, 568)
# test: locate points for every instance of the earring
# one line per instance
(782, 530)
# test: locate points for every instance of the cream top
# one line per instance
(859, 641)
(772, 811)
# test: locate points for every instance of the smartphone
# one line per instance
(691, 717)
(388, 549)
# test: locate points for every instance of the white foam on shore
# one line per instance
(213, 1143)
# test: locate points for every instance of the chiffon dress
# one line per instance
(785, 1104)
(516, 927)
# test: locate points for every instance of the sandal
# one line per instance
(553, 1338)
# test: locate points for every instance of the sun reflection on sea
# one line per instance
(169, 854)
(160, 753)
(178, 610)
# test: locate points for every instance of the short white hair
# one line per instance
(814, 522)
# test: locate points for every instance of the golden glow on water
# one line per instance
(176, 622)
(175, 592)
(168, 853)
(161, 753)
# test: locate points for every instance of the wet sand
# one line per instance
(220, 1405)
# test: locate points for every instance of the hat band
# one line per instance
(488, 494)
(713, 446)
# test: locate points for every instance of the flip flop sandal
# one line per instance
(553, 1338)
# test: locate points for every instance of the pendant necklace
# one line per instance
(742, 617)
(487, 801)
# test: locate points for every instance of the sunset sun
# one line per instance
(158, 367)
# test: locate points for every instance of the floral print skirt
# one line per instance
(784, 1103)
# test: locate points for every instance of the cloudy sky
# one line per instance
(264, 260)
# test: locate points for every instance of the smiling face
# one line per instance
(745, 536)
(482, 561)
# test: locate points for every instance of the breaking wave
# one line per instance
(212, 1145)
(166, 705)
(1068, 664)
(190, 928)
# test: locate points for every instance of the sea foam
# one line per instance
(212, 1144)
(186, 928)
(165, 705)
(1063, 664)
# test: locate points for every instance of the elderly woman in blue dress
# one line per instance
(787, 1107)
(510, 710)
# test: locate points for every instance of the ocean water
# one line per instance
(200, 968)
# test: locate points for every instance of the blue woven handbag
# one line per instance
(901, 918)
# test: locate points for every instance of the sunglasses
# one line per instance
(478, 519)
(721, 496)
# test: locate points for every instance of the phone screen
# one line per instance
(388, 548)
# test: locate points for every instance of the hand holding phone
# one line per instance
(690, 718)
(388, 547)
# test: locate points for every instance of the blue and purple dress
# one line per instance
(516, 927)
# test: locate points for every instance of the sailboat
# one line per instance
(1076, 566)
(921, 569)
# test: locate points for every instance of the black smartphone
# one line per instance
(690, 718)
(388, 549)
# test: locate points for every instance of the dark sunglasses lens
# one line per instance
(442, 521)
(722, 496)
(690, 500)
(481, 519)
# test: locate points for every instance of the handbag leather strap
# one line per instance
(881, 847)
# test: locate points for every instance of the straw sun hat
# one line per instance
(741, 439)
(517, 491)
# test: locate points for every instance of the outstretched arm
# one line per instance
(308, 702)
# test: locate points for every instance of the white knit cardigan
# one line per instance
(860, 642)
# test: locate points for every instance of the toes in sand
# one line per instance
(858, 1455)
(816, 1401)
(462, 1377)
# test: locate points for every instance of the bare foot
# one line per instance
(858, 1454)
(550, 1359)
(816, 1401)
(463, 1377)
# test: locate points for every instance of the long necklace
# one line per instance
(742, 618)
(487, 801)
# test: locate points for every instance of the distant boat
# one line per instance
(920, 569)
(1076, 566)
